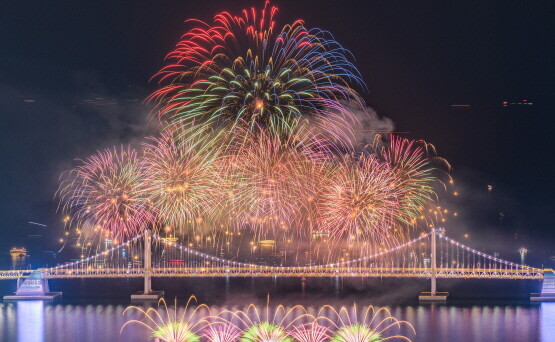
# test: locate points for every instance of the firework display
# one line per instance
(362, 324)
(222, 333)
(263, 184)
(168, 326)
(265, 331)
(109, 193)
(268, 324)
(270, 181)
(246, 70)
(311, 332)
(360, 199)
(413, 177)
(252, 115)
(374, 193)
(181, 179)
(356, 332)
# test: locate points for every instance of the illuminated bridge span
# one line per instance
(432, 255)
(412, 259)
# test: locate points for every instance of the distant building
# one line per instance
(320, 235)
(170, 240)
(507, 103)
(267, 246)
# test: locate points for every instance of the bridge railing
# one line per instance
(455, 258)
(293, 272)
(14, 274)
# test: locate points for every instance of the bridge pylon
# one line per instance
(433, 295)
(148, 293)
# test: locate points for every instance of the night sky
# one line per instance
(73, 76)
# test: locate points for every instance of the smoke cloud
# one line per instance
(370, 124)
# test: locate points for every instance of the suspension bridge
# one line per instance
(432, 255)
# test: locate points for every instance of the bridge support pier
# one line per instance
(548, 289)
(433, 295)
(148, 293)
(35, 286)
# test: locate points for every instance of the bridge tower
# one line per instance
(148, 293)
(433, 295)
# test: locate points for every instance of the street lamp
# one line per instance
(522, 252)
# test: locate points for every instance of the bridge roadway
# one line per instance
(269, 271)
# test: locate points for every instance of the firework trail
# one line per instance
(244, 70)
(182, 178)
(255, 324)
(222, 333)
(264, 332)
(263, 325)
(372, 324)
(172, 327)
(311, 332)
(107, 192)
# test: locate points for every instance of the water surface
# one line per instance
(92, 310)
(36, 321)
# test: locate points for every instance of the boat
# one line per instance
(169, 240)
(18, 252)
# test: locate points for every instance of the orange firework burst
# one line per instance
(359, 200)
(182, 178)
(269, 181)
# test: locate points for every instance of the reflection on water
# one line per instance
(30, 321)
(547, 321)
(34, 321)
(19, 263)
